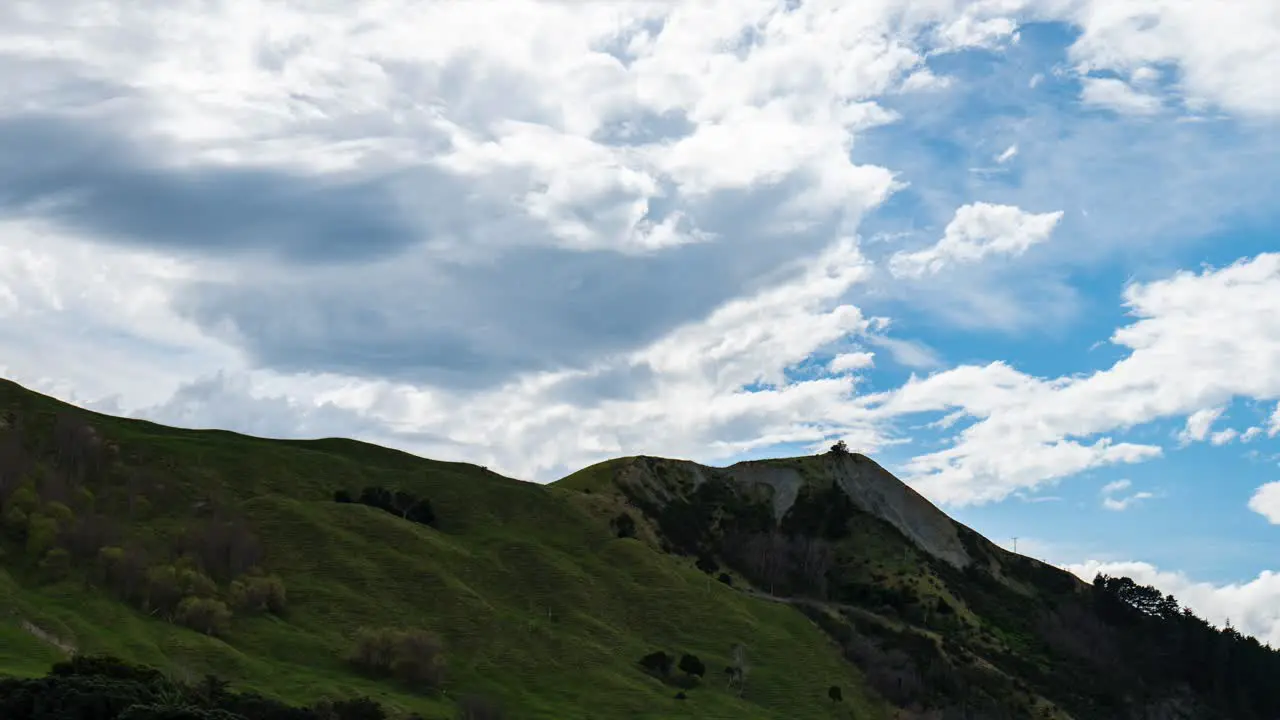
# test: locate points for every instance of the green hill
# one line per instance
(270, 563)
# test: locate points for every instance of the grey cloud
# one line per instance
(95, 181)
(422, 319)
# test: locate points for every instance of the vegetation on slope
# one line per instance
(210, 552)
(1002, 637)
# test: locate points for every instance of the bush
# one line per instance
(658, 663)
(418, 659)
(15, 523)
(414, 657)
(205, 615)
(690, 665)
(163, 590)
(835, 694)
(42, 534)
(624, 526)
(342, 496)
(725, 578)
(55, 565)
(258, 594)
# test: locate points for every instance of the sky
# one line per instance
(1024, 253)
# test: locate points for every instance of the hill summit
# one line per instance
(344, 578)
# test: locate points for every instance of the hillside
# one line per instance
(816, 587)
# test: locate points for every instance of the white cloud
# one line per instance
(1266, 502)
(1008, 154)
(1224, 436)
(852, 361)
(1110, 502)
(1273, 425)
(1197, 341)
(1252, 607)
(1224, 58)
(1117, 95)
(976, 231)
(1250, 434)
(1198, 424)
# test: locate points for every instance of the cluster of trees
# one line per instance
(397, 502)
(105, 688)
(412, 657)
(206, 571)
(1170, 645)
(660, 664)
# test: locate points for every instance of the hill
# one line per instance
(816, 587)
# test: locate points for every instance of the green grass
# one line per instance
(537, 603)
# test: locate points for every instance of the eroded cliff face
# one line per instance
(873, 490)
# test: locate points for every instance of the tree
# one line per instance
(658, 663)
(690, 665)
(835, 694)
(839, 449)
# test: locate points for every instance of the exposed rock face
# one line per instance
(873, 489)
(878, 492)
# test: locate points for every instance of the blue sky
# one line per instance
(1022, 252)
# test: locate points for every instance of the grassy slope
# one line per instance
(536, 601)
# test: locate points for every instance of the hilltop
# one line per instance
(812, 587)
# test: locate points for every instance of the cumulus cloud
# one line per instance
(1238, 76)
(1252, 607)
(852, 361)
(976, 231)
(1266, 502)
(1198, 340)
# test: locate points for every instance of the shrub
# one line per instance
(707, 564)
(725, 578)
(342, 496)
(374, 650)
(624, 526)
(163, 590)
(205, 615)
(42, 533)
(835, 694)
(658, 663)
(55, 565)
(418, 659)
(414, 657)
(839, 449)
(258, 594)
(25, 499)
(15, 523)
(690, 665)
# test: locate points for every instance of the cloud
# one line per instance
(1252, 607)
(1196, 342)
(1117, 95)
(976, 231)
(852, 361)
(1110, 502)
(1237, 76)
(1198, 425)
(1273, 425)
(1008, 154)
(1266, 502)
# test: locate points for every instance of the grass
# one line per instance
(537, 603)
